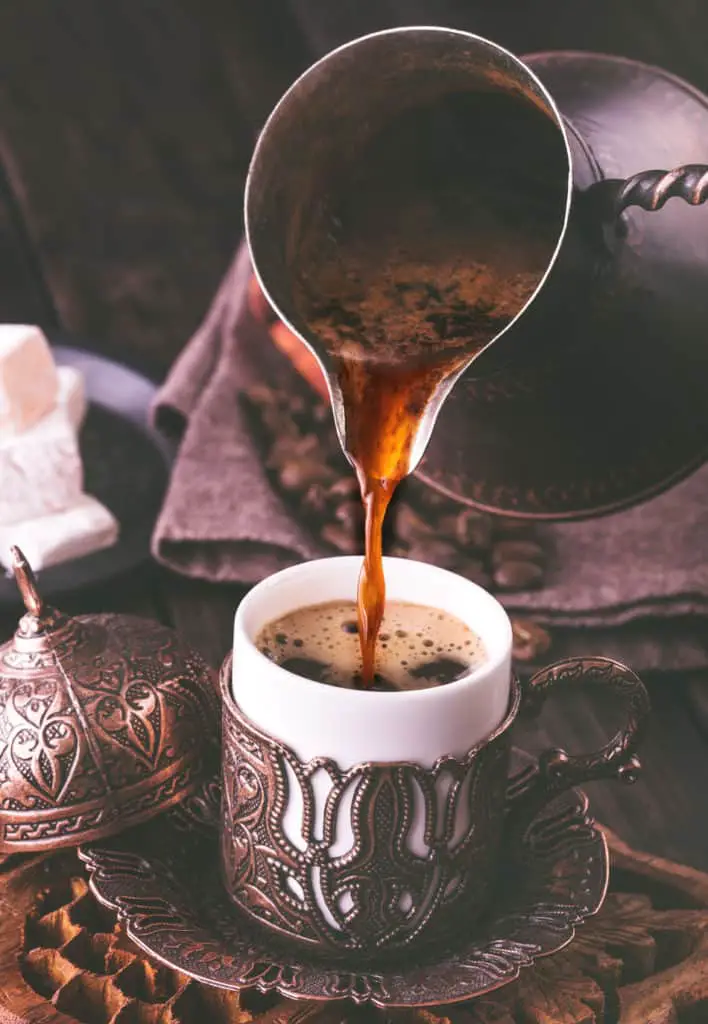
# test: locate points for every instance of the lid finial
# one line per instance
(27, 582)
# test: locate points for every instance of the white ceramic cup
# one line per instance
(354, 726)
(356, 823)
(321, 784)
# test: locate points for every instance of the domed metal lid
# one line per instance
(105, 721)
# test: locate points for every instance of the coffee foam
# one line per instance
(418, 646)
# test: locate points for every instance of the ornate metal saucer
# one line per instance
(163, 881)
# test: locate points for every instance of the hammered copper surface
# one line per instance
(147, 877)
(595, 397)
(105, 720)
(386, 893)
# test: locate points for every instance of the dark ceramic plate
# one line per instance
(126, 466)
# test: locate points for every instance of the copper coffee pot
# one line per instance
(593, 397)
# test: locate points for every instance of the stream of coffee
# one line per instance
(384, 401)
(384, 406)
(421, 262)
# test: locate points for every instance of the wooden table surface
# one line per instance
(125, 131)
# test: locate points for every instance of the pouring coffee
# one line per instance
(406, 200)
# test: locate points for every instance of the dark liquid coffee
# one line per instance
(418, 647)
(430, 245)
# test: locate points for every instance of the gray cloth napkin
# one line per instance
(221, 519)
(637, 581)
(651, 560)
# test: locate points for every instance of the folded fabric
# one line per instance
(221, 518)
(647, 561)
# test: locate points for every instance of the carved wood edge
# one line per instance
(661, 998)
(643, 958)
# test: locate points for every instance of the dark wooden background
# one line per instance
(125, 133)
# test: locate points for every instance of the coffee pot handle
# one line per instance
(556, 771)
(649, 190)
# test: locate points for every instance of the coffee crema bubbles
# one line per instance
(418, 646)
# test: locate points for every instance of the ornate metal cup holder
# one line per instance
(163, 881)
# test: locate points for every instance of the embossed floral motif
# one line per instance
(110, 720)
(39, 740)
(378, 853)
(361, 861)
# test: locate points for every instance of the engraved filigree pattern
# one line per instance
(113, 720)
(421, 847)
(147, 876)
(557, 770)
(380, 852)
